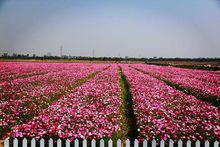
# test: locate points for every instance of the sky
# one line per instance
(134, 28)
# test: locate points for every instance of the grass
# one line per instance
(129, 121)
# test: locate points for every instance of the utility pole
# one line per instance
(93, 53)
(61, 51)
(119, 56)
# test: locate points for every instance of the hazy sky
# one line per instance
(135, 28)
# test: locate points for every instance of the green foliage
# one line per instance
(129, 123)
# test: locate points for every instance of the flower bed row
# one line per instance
(19, 103)
(14, 70)
(89, 111)
(164, 112)
(206, 83)
(47, 84)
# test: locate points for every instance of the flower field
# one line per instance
(203, 82)
(89, 111)
(163, 112)
(23, 98)
(86, 101)
(13, 70)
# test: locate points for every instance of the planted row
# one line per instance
(43, 85)
(205, 84)
(20, 103)
(164, 112)
(14, 70)
(89, 111)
